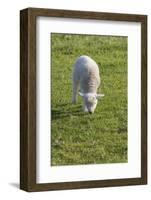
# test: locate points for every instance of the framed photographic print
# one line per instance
(83, 99)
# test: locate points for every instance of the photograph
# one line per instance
(89, 99)
(83, 99)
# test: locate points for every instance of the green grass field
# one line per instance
(78, 137)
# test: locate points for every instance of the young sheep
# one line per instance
(86, 74)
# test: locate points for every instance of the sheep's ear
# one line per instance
(81, 94)
(99, 96)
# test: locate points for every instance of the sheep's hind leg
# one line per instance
(74, 92)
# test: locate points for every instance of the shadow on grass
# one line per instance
(66, 110)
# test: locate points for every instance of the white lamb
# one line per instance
(86, 74)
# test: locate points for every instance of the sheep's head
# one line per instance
(90, 101)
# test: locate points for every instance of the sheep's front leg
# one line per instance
(74, 92)
(84, 108)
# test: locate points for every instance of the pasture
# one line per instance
(83, 138)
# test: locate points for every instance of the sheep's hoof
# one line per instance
(85, 110)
